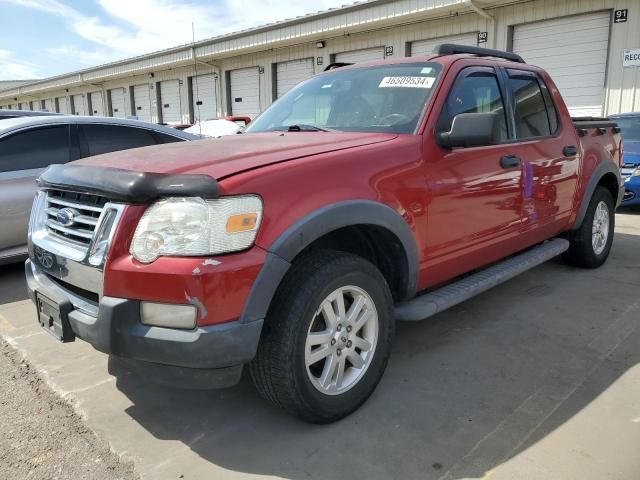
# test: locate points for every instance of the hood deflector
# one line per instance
(127, 186)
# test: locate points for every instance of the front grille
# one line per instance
(84, 209)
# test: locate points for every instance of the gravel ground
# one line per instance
(40, 435)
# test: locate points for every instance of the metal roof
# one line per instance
(8, 84)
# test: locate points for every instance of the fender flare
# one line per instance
(313, 226)
(599, 172)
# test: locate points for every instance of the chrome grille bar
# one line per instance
(78, 205)
(83, 210)
(93, 221)
(76, 232)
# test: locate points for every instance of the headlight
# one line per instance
(636, 172)
(194, 227)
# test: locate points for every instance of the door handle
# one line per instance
(570, 151)
(510, 161)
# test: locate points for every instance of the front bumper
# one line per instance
(203, 358)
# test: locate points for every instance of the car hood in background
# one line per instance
(232, 154)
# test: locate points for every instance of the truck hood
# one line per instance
(225, 156)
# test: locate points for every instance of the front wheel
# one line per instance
(591, 243)
(327, 339)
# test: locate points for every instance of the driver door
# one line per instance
(475, 206)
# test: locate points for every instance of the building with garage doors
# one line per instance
(583, 45)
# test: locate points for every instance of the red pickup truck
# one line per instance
(369, 193)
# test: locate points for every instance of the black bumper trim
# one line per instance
(212, 355)
(177, 377)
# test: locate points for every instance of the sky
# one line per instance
(43, 38)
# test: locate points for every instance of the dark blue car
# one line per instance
(630, 124)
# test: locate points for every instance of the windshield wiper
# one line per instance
(307, 128)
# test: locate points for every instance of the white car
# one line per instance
(214, 128)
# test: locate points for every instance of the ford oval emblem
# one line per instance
(44, 258)
(66, 216)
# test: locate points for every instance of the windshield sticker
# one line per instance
(407, 82)
(426, 70)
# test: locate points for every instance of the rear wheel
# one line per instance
(591, 243)
(327, 338)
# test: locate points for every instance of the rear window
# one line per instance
(531, 115)
(165, 138)
(630, 128)
(111, 138)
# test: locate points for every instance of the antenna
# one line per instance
(195, 66)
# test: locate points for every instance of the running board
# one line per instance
(434, 302)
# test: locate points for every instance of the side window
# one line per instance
(551, 108)
(164, 138)
(477, 92)
(111, 138)
(530, 108)
(37, 148)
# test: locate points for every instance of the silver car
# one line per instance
(29, 144)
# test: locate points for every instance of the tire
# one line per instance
(281, 370)
(583, 252)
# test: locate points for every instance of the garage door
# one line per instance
(49, 105)
(245, 92)
(118, 108)
(574, 52)
(289, 74)
(62, 105)
(205, 102)
(79, 107)
(97, 104)
(425, 47)
(170, 101)
(356, 56)
(142, 100)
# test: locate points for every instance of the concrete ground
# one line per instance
(536, 379)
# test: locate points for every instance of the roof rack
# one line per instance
(333, 66)
(452, 49)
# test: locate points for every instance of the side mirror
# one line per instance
(471, 130)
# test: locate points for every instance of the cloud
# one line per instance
(13, 68)
(143, 26)
(83, 57)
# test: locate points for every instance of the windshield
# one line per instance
(630, 128)
(385, 98)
